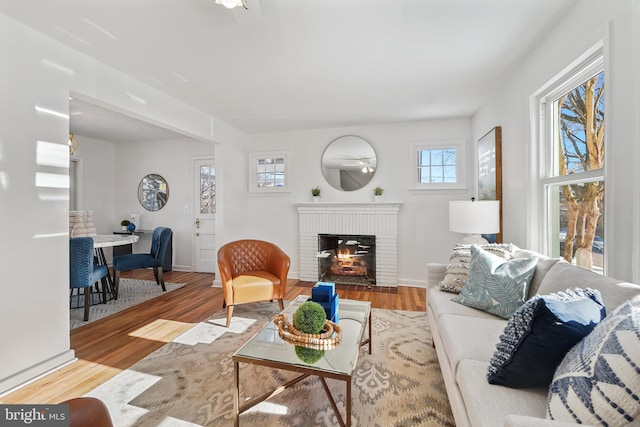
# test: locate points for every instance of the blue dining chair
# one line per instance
(83, 272)
(154, 259)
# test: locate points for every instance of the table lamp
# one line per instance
(474, 218)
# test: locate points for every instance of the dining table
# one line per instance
(102, 241)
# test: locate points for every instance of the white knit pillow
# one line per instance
(460, 260)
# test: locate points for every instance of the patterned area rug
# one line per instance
(132, 292)
(189, 382)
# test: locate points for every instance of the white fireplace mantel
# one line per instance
(352, 205)
(376, 218)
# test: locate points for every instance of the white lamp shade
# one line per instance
(474, 217)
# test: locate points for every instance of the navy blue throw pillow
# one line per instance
(540, 333)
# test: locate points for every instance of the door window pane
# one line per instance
(207, 189)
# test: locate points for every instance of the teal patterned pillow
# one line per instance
(495, 285)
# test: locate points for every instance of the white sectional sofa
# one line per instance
(465, 340)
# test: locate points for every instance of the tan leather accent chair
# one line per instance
(252, 271)
(88, 411)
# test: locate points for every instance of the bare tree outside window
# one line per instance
(580, 149)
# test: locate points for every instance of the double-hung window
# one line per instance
(572, 181)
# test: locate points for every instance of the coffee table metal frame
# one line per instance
(305, 372)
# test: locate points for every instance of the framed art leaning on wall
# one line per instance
(490, 172)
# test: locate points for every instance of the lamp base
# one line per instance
(474, 239)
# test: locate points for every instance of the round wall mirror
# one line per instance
(349, 163)
(153, 192)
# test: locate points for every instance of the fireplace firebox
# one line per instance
(347, 259)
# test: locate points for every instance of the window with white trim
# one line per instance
(438, 165)
(268, 172)
(572, 181)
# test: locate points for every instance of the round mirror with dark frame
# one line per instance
(153, 192)
(349, 163)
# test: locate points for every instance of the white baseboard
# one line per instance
(186, 268)
(35, 372)
(413, 283)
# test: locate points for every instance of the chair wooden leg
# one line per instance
(159, 273)
(116, 284)
(229, 314)
(281, 304)
(87, 302)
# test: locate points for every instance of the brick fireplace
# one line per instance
(348, 219)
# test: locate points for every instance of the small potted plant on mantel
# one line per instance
(124, 224)
(315, 192)
(377, 193)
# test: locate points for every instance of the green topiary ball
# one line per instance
(309, 317)
(309, 355)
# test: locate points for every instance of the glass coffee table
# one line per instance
(266, 348)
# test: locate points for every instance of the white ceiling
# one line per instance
(96, 122)
(302, 64)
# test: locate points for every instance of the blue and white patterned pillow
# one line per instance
(545, 324)
(495, 285)
(598, 381)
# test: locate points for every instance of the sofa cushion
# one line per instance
(598, 381)
(496, 285)
(564, 275)
(488, 404)
(460, 259)
(469, 338)
(546, 325)
(440, 303)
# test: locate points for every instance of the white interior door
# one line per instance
(204, 218)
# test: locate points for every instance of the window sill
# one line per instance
(435, 190)
(269, 193)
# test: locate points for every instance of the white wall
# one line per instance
(96, 161)
(231, 182)
(172, 159)
(423, 234)
(39, 72)
(579, 30)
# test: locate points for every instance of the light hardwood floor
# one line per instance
(108, 346)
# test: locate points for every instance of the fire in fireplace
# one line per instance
(348, 259)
